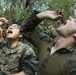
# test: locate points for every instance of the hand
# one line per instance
(3, 21)
(51, 15)
(54, 15)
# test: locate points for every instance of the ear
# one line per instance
(74, 35)
(20, 36)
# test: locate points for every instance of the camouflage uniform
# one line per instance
(19, 58)
(32, 46)
(61, 62)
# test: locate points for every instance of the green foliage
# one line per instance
(19, 12)
(41, 5)
(67, 5)
(13, 10)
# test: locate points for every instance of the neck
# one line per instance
(12, 43)
(62, 42)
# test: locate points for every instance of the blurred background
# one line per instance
(17, 10)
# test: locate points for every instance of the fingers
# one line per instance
(6, 21)
(57, 18)
(59, 11)
(3, 21)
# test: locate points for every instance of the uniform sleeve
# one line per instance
(30, 23)
(29, 63)
(38, 39)
(72, 64)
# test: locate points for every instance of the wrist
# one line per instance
(41, 16)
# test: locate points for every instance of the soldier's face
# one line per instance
(67, 28)
(13, 32)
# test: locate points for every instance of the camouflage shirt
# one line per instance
(19, 58)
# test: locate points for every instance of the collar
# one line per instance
(61, 50)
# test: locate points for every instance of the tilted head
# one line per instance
(68, 28)
(13, 32)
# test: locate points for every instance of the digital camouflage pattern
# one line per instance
(32, 46)
(19, 58)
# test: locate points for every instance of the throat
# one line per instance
(63, 43)
(12, 44)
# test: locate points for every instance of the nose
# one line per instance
(10, 27)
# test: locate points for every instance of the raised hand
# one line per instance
(3, 21)
(51, 15)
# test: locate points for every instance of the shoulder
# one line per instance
(24, 46)
(3, 43)
(27, 50)
(72, 56)
(43, 37)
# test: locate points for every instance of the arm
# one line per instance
(29, 26)
(3, 21)
(30, 23)
(28, 61)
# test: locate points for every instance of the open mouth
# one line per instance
(10, 32)
(64, 23)
(61, 24)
